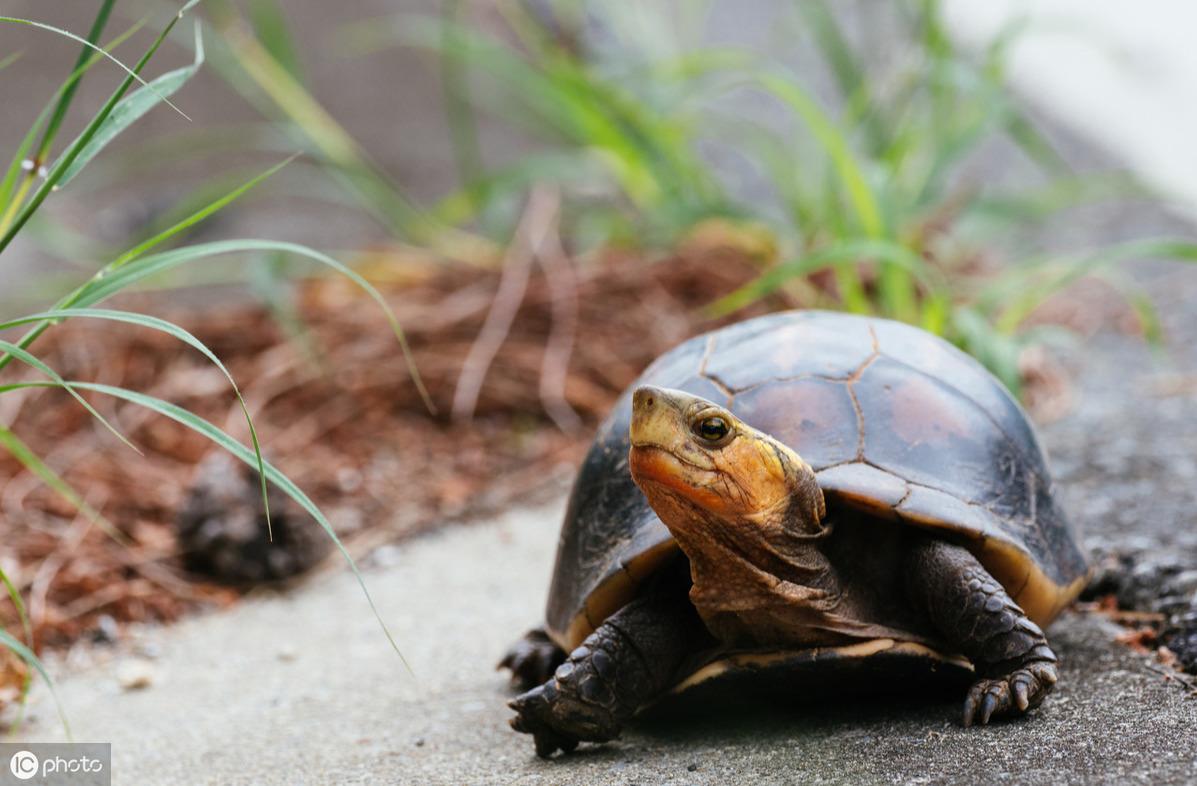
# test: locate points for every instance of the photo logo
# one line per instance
(56, 763)
(24, 765)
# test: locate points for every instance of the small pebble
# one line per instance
(106, 631)
(287, 653)
(691, 767)
(135, 674)
(419, 742)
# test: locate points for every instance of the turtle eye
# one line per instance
(711, 429)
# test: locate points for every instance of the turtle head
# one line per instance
(690, 456)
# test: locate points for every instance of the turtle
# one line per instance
(803, 487)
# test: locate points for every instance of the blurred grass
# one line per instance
(863, 195)
(870, 186)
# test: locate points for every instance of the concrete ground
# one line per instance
(302, 688)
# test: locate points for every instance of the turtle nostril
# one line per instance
(648, 402)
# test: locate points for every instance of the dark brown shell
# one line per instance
(892, 419)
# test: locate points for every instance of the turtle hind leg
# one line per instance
(532, 659)
(974, 615)
(628, 661)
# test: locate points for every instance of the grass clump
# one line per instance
(32, 176)
(857, 194)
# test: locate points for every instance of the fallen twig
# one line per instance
(534, 227)
(563, 300)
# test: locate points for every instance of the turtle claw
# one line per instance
(1022, 698)
(534, 715)
(547, 741)
(558, 718)
(1012, 694)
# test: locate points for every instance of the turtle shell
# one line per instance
(894, 421)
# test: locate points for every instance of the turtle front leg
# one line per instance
(974, 614)
(628, 661)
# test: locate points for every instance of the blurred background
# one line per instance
(491, 216)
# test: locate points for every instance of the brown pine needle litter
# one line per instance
(521, 361)
(338, 412)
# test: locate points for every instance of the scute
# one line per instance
(865, 487)
(821, 417)
(955, 368)
(893, 420)
(818, 344)
(920, 429)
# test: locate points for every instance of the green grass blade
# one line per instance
(12, 228)
(18, 604)
(118, 279)
(270, 26)
(459, 110)
(115, 278)
(1028, 286)
(838, 149)
(646, 145)
(194, 218)
(27, 628)
(27, 655)
(223, 440)
(10, 203)
(35, 362)
(896, 287)
(563, 168)
(132, 107)
(1149, 318)
(153, 323)
(67, 95)
(32, 462)
(23, 150)
(216, 143)
(846, 67)
(1054, 196)
(273, 288)
(1036, 146)
(843, 252)
(996, 350)
(133, 74)
(144, 246)
(287, 95)
(1139, 301)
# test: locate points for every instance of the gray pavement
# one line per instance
(302, 688)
